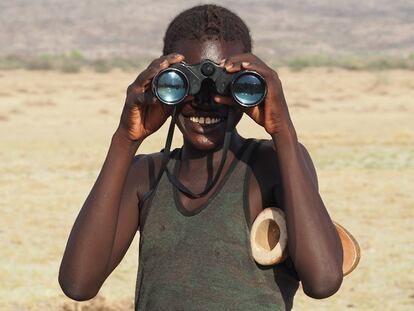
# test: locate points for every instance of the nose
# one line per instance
(201, 101)
(204, 98)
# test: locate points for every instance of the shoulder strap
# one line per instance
(247, 156)
(248, 172)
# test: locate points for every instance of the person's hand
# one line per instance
(273, 112)
(143, 113)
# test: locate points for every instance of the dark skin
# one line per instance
(109, 218)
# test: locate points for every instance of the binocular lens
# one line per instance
(171, 87)
(249, 89)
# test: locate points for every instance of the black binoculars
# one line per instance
(172, 85)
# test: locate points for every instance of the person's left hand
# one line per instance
(273, 112)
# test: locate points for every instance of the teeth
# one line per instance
(206, 120)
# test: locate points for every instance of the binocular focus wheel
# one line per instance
(268, 239)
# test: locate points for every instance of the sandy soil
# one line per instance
(55, 129)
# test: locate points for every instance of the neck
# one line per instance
(200, 168)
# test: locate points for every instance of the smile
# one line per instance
(205, 120)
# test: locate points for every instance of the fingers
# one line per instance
(248, 62)
(139, 91)
(234, 63)
(144, 79)
(144, 98)
(263, 70)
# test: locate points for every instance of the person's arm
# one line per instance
(314, 245)
(91, 248)
(109, 218)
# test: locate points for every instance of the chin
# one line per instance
(204, 142)
(203, 137)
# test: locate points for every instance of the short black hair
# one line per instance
(206, 22)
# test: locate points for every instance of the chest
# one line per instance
(257, 191)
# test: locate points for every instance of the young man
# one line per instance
(195, 252)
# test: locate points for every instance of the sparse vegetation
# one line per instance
(70, 62)
(74, 61)
(352, 62)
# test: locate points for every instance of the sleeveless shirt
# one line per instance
(201, 259)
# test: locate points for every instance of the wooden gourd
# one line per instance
(268, 240)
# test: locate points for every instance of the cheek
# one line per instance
(180, 123)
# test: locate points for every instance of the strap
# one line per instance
(166, 158)
(226, 144)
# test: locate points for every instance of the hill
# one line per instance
(104, 28)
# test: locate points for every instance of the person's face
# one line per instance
(196, 113)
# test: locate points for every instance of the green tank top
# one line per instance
(201, 260)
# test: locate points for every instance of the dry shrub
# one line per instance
(103, 111)
(40, 103)
(3, 118)
(300, 105)
(5, 94)
(15, 111)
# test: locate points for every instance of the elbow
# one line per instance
(323, 287)
(76, 290)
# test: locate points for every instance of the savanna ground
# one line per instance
(55, 129)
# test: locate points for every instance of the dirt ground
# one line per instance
(55, 129)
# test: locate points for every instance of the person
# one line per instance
(194, 252)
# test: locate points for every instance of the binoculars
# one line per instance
(172, 85)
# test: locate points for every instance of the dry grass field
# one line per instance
(55, 129)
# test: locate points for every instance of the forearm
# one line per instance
(314, 245)
(90, 243)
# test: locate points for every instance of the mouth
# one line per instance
(206, 120)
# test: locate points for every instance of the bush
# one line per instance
(74, 61)
(101, 66)
(352, 62)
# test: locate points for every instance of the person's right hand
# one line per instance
(143, 114)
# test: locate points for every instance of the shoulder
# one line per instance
(146, 161)
(144, 171)
(265, 165)
(266, 151)
(264, 159)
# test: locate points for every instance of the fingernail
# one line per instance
(164, 63)
(229, 66)
(245, 64)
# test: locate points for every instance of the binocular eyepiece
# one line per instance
(172, 85)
